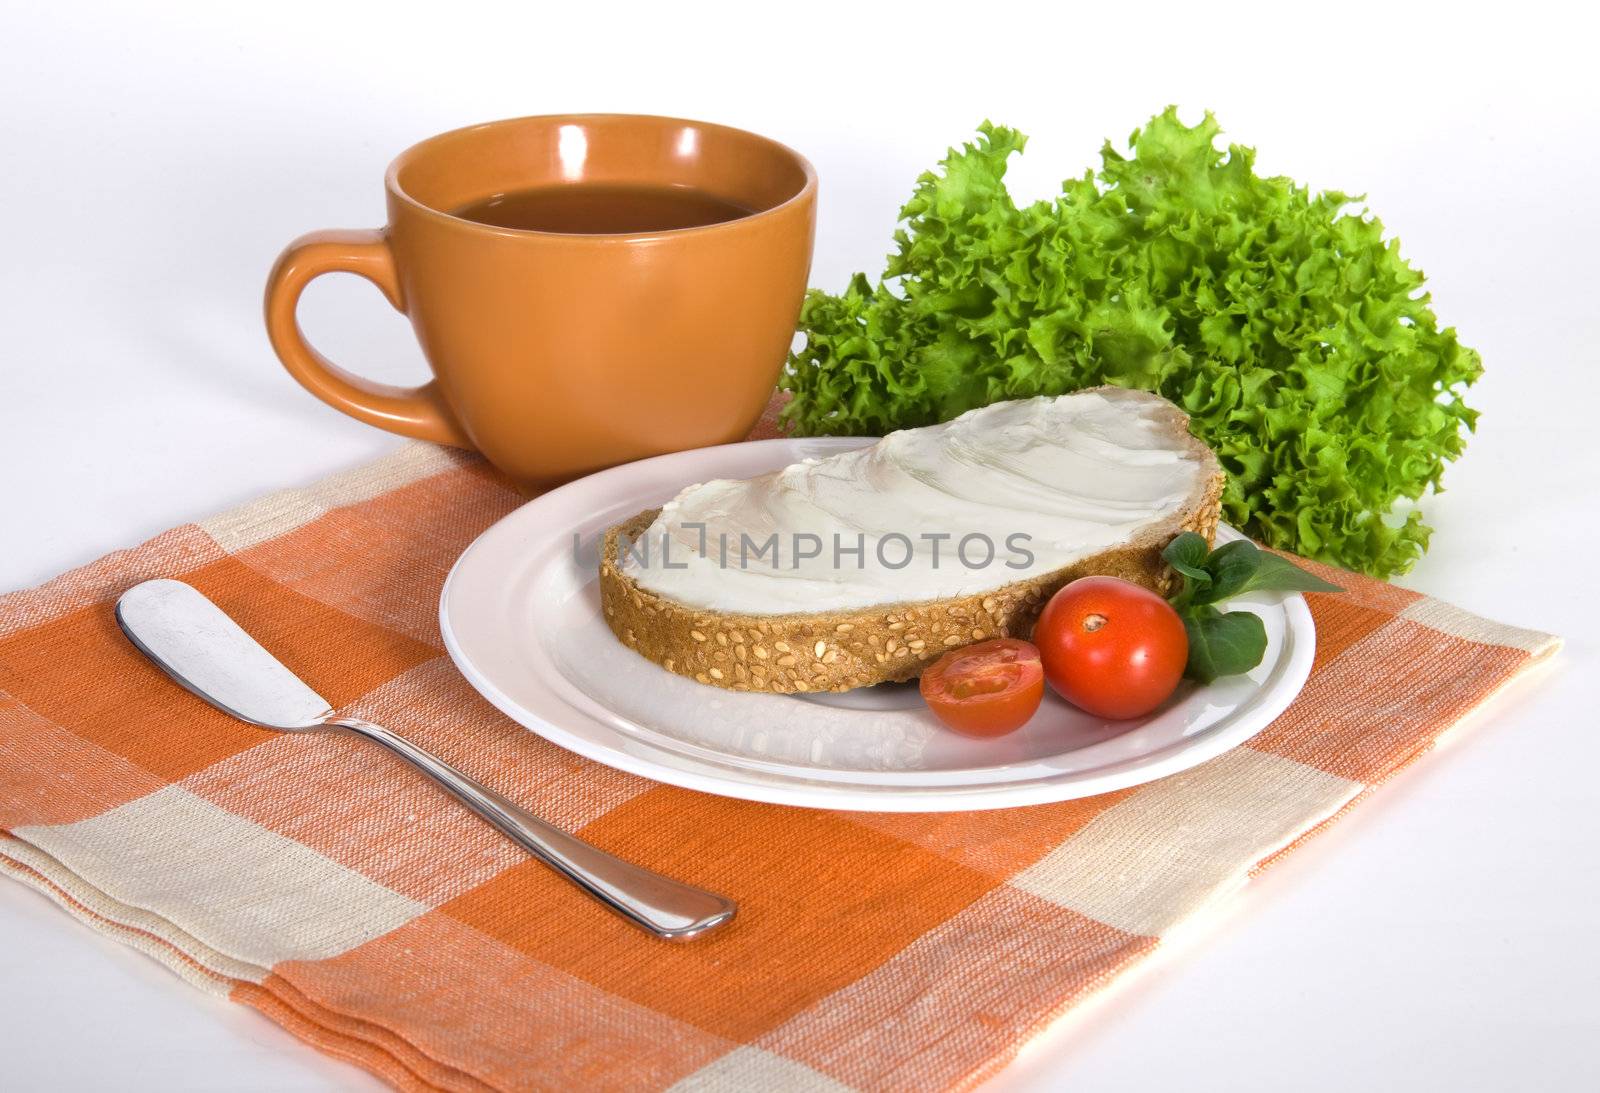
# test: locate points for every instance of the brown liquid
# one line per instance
(602, 209)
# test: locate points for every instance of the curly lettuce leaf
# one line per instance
(1294, 334)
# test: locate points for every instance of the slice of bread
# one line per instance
(842, 650)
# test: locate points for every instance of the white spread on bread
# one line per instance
(1046, 481)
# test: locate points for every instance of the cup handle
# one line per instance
(418, 412)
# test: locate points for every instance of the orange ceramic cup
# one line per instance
(558, 354)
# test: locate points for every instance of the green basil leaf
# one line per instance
(1232, 566)
(1187, 554)
(1222, 645)
(1275, 574)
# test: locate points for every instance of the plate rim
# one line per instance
(730, 779)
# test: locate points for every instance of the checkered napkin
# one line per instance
(316, 879)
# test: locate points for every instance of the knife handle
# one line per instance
(667, 908)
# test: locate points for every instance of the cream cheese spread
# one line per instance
(994, 496)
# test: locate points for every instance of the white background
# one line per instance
(153, 162)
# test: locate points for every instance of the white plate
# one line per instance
(521, 618)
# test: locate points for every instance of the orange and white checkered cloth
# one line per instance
(316, 879)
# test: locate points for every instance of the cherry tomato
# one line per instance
(988, 689)
(1110, 647)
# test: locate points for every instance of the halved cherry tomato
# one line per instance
(1110, 647)
(988, 689)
